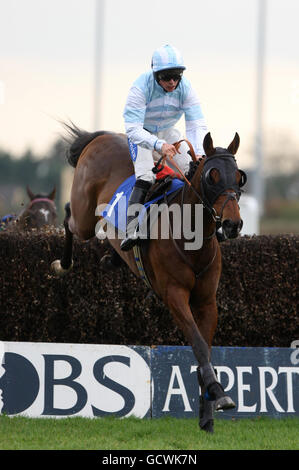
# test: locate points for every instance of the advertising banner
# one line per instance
(261, 381)
(59, 380)
(48, 379)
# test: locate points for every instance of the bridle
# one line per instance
(41, 199)
(221, 159)
(32, 213)
(225, 163)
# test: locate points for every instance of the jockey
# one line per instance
(155, 103)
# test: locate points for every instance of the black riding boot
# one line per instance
(137, 197)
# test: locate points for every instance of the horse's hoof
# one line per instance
(58, 269)
(224, 403)
(128, 243)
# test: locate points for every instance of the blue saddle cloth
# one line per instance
(116, 211)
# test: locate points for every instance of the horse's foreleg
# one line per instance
(196, 334)
(206, 408)
(212, 394)
(207, 326)
(178, 304)
(63, 266)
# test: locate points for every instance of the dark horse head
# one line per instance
(221, 184)
(40, 211)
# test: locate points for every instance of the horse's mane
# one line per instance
(192, 169)
(77, 140)
(194, 166)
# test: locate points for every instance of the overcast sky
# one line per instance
(47, 51)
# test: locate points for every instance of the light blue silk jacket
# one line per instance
(149, 109)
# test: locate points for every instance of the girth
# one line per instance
(139, 247)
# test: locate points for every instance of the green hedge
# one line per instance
(258, 295)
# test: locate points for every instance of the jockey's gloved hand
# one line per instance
(166, 171)
(168, 150)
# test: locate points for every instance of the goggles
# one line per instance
(170, 75)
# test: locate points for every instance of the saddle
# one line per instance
(159, 188)
(165, 174)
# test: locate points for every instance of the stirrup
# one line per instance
(128, 243)
(137, 196)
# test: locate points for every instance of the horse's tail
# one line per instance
(77, 140)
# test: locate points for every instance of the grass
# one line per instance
(20, 433)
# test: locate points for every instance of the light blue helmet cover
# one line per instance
(167, 57)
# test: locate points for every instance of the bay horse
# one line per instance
(186, 281)
(40, 211)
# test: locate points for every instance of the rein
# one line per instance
(202, 199)
(181, 252)
(206, 204)
(209, 208)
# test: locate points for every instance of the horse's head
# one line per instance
(40, 211)
(221, 184)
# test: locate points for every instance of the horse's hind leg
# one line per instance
(63, 266)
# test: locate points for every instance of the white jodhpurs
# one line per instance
(143, 159)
